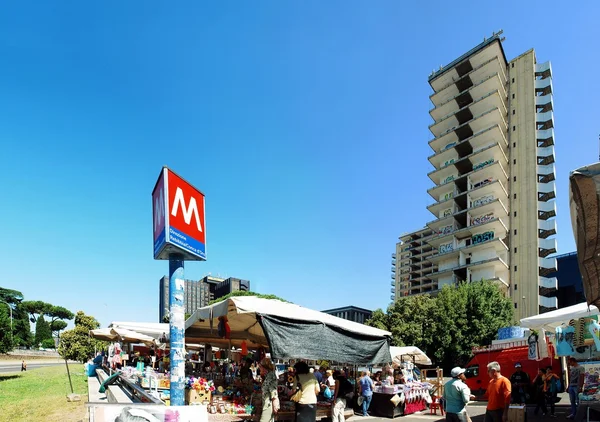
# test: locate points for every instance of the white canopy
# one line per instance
(550, 320)
(104, 334)
(288, 326)
(399, 354)
(152, 329)
(122, 334)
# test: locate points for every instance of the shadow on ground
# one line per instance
(8, 377)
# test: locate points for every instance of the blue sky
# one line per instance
(304, 123)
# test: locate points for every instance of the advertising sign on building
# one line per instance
(178, 218)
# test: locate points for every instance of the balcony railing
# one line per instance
(548, 303)
(546, 247)
(546, 228)
(546, 266)
(546, 210)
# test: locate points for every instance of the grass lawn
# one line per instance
(41, 395)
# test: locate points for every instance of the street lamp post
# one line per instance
(11, 320)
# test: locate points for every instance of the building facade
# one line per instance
(570, 283)
(199, 293)
(351, 313)
(493, 181)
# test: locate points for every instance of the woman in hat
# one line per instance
(269, 391)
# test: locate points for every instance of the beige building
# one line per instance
(493, 181)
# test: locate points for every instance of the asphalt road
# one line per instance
(13, 367)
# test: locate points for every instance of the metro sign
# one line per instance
(179, 219)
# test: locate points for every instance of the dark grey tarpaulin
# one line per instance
(585, 217)
(297, 339)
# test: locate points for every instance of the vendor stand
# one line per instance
(288, 332)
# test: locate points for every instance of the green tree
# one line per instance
(6, 339)
(57, 316)
(48, 344)
(35, 308)
(246, 293)
(42, 330)
(446, 327)
(76, 344)
(21, 329)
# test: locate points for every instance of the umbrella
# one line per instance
(105, 334)
(399, 353)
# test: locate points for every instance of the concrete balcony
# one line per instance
(466, 64)
(393, 290)
(494, 99)
(545, 137)
(546, 247)
(393, 269)
(548, 285)
(545, 120)
(546, 191)
(543, 103)
(393, 256)
(393, 284)
(394, 276)
(546, 228)
(543, 70)
(546, 266)
(489, 186)
(497, 243)
(466, 130)
(495, 225)
(476, 142)
(548, 304)
(484, 87)
(393, 297)
(545, 155)
(546, 172)
(499, 265)
(546, 210)
(543, 86)
(477, 159)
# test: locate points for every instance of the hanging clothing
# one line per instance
(594, 329)
(533, 352)
(543, 346)
(564, 340)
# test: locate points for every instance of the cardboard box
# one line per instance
(193, 396)
(516, 413)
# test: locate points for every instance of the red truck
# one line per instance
(506, 354)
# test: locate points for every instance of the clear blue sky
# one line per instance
(304, 123)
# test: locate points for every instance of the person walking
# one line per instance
(306, 408)
(519, 381)
(576, 378)
(23, 366)
(269, 391)
(551, 389)
(456, 396)
(498, 392)
(540, 396)
(343, 390)
(366, 391)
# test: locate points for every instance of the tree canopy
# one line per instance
(448, 325)
(76, 344)
(246, 293)
(42, 330)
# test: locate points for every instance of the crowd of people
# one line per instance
(501, 392)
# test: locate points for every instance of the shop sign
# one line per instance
(179, 218)
(448, 247)
(483, 237)
(483, 200)
(482, 219)
(483, 164)
(482, 183)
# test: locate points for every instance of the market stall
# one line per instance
(400, 392)
(288, 332)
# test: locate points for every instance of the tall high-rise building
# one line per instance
(198, 293)
(493, 194)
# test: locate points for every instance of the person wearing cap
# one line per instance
(498, 393)
(456, 396)
(519, 382)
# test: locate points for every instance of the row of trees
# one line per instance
(49, 321)
(446, 327)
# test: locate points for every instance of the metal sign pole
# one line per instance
(177, 329)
